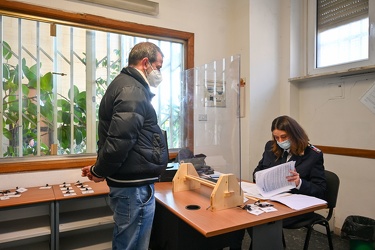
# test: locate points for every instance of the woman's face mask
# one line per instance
(154, 77)
(284, 145)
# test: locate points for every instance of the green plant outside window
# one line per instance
(53, 84)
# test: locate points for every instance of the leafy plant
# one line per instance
(79, 122)
(13, 95)
(16, 93)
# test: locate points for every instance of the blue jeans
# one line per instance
(133, 212)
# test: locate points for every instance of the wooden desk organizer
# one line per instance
(226, 192)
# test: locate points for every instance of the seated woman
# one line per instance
(291, 141)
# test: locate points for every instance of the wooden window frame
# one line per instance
(53, 16)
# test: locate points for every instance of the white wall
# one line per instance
(266, 59)
(333, 115)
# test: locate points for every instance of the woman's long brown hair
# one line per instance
(297, 135)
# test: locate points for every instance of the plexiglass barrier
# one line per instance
(216, 126)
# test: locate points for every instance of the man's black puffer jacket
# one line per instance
(131, 149)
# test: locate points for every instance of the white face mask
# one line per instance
(154, 78)
(284, 145)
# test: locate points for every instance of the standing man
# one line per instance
(132, 151)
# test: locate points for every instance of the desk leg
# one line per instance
(53, 225)
(267, 236)
(57, 223)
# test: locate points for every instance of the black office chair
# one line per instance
(333, 183)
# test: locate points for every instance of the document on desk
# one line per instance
(272, 181)
(298, 201)
(294, 201)
(251, 189)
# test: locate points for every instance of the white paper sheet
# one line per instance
(298, 201)
(272, 181)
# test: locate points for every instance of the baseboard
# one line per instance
(337, 231)
(321, 229)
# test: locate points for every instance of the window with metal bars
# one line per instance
(54, 77)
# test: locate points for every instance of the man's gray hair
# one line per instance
(142, 50)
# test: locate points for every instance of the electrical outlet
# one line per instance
(202, 117)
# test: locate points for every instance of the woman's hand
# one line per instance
(294, 177)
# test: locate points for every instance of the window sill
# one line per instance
(53, 162)
(37, 163)
(338, 74)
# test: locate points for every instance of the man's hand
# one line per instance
(86, 173)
